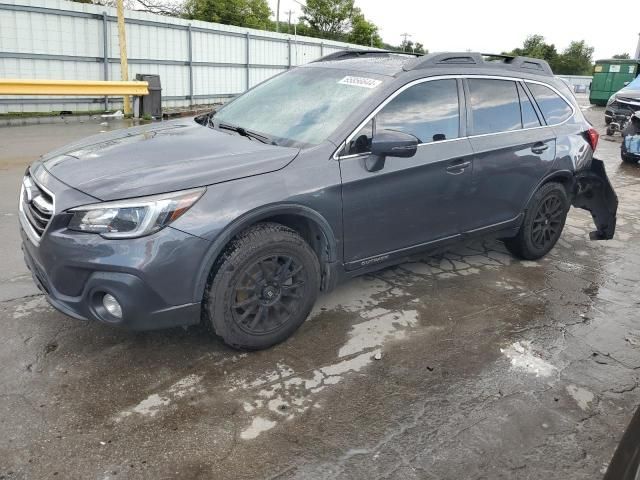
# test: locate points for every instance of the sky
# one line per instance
(494, 26)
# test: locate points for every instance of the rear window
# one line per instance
(553, 107)
(495, 106)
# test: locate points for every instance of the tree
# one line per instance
(534, 46)
(575, 60)
(362, 31)
(329, 18)
(172, 8)
(419, 48)
(241, 13)
(622, 56)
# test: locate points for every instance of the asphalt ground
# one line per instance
(470, 364)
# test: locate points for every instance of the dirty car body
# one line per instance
(415, 154)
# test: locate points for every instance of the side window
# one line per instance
(495, 106)
(428, 110)
(554, 109)
(361, 141)
(529, 116)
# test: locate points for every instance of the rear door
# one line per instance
(413, 201)
(513, 149)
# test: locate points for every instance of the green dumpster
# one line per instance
(609, 76)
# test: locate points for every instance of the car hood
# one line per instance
(630, 92)
(159, 158)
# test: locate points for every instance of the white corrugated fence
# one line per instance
(198, 62)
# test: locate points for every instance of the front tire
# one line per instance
(262, 287)
(543, 222)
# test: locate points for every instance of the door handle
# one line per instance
(457, 167)
(539, 147)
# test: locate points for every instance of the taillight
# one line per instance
(593, 136)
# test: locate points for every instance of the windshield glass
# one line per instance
(635, 84)
(300, 107)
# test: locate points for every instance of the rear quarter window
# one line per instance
(553, 107)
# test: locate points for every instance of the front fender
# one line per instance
(255, 216)
(595, 194)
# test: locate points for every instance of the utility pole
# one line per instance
(638, 48)
(124, 65)
(278, 16)
(404, 41)
(289, 12)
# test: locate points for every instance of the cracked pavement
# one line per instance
(470, 364)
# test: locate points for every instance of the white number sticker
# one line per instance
(360, 82)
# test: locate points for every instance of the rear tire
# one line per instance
(262, 287)
(543, 222)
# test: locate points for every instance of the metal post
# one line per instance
(124, 66)
(289, 44)
(248, 57)
(105, 54)
(190, 59)
(278, 17)
(638, 48)
(321, 49)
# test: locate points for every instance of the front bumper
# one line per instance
(617, 109)
(151, 277)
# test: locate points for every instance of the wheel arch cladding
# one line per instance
(310, 224)
(566, 178)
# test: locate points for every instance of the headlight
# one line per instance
(612, 99)
(135, 217)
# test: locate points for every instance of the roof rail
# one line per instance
(535, 65)
(349, 54)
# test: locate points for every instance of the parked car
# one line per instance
(630, 147)
(354, 162)
(624, 102)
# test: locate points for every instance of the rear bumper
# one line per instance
(595, 194)
(140, 294)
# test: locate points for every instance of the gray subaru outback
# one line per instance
(354, 162)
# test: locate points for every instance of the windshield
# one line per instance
(635, 84)
(300, 107)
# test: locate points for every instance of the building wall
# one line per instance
(198, 62)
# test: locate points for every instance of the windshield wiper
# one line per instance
(246, 133)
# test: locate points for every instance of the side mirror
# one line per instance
(392, 143)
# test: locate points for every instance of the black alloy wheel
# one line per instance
(267, 293)
(548, 222)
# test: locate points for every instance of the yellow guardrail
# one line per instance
(72, 87)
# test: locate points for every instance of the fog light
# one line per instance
(112, 306)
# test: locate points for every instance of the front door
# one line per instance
(409, 202)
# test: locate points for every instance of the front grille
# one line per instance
(36, 204)
(629, 105)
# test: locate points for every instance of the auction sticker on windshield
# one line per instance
(360, 82)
